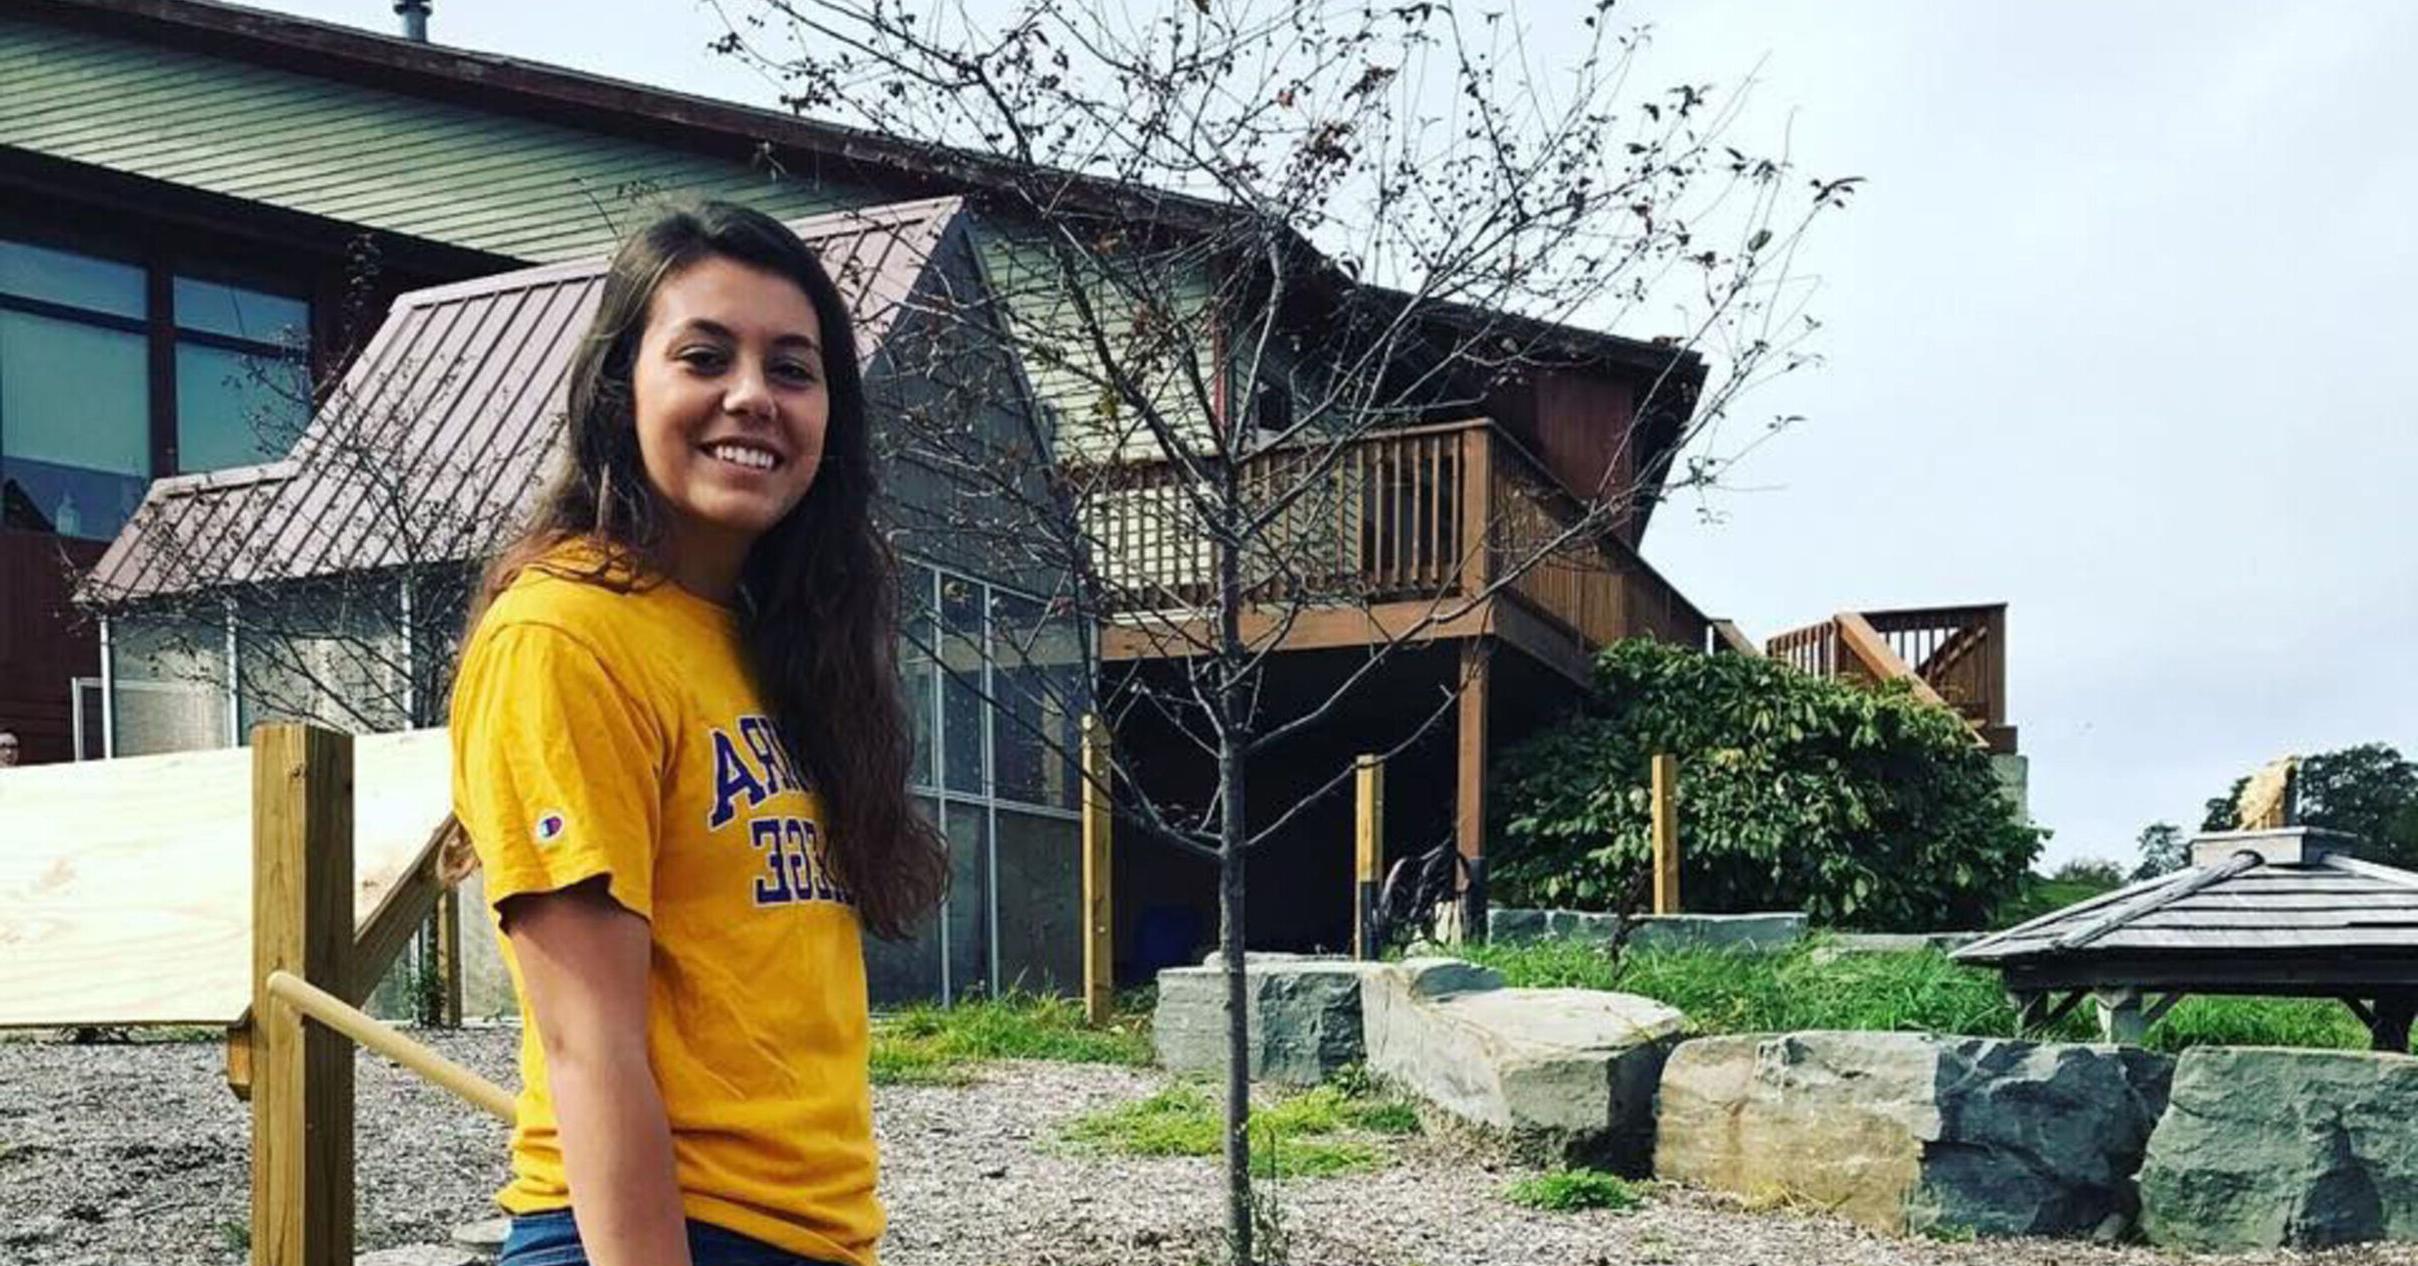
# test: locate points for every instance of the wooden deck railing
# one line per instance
(1955, 656)
(1395, 517)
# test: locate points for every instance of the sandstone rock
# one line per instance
(1909, 1132)
(1304, 1016)
(2284, 1149)
(1568, 1073)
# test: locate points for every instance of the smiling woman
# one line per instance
(731, 408)
(681, 761)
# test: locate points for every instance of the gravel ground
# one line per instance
(136, 1154)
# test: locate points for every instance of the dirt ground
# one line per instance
(138, 1154)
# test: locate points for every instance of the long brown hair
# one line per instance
(818, 609)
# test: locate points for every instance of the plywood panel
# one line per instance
(126, 886)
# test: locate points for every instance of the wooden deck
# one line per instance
(1402, 535)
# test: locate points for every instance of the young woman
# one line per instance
(680, 759)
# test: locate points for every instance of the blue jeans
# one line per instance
(551, 1239)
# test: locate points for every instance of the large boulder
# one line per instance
(1910, 1132)
(1565, 1073)
(1304, 1016)
(2284, 1149)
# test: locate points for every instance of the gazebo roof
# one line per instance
(2250, 898)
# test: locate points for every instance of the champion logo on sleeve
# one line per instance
(550, 827)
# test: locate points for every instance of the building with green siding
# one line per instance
(195, 196)
(197, 200)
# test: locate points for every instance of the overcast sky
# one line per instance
(2119, 333)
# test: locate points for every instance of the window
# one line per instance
(243, 387)
(993, 682)
(75, 392)
(81, 346)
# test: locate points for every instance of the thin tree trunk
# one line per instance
(1233, 703)
(1238, 1015)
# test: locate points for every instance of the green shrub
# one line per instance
(1566, 1190)
(1862, 807)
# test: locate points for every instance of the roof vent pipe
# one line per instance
(415, 19)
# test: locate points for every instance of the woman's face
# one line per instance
(731, 403)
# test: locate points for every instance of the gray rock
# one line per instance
(1840, 945)
(1304, 1017)
(1566, 1073)
(421, 1255)
(2284, 1149)
(483, 1237)
(1511, 925)
(1909, 1132)
(1743, 932)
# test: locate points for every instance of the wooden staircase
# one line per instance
(1955, 657)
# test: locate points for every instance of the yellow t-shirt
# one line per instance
(618, 734)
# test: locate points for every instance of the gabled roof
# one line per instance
(442, 431)
(2293, 892)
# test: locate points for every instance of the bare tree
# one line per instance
(1240, 260)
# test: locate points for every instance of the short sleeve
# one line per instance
(558, 768)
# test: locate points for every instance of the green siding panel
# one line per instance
(431, 169)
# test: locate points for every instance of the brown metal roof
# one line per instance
(2294, 890)
(441, 432)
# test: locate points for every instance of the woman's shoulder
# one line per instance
(572, 585)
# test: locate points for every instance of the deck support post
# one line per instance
(2121, 1018)
(1469, 803)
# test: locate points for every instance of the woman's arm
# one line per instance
(583, 960)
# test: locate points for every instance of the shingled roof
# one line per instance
(441, 432)
(2251, 897)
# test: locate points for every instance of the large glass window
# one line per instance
(75, 424)
(79, 354)
(962, 712)
(242, 374)
(994, 685)
(75, 391)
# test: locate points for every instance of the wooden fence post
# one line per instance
(1368, 855)
(1099, 944)
(302, 922)
(1666, 834)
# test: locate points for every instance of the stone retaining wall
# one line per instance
(1742, 932)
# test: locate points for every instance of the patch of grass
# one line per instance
(1569, 1190)
(2311, 1022)
(1392, 1116)
(929, 1044)
(1919, 991)
(1311, 1134)
(2038, 895)
(906, 1063)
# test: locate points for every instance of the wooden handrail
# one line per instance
(1732, 639)
(1864, 642)
(432, 1067)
